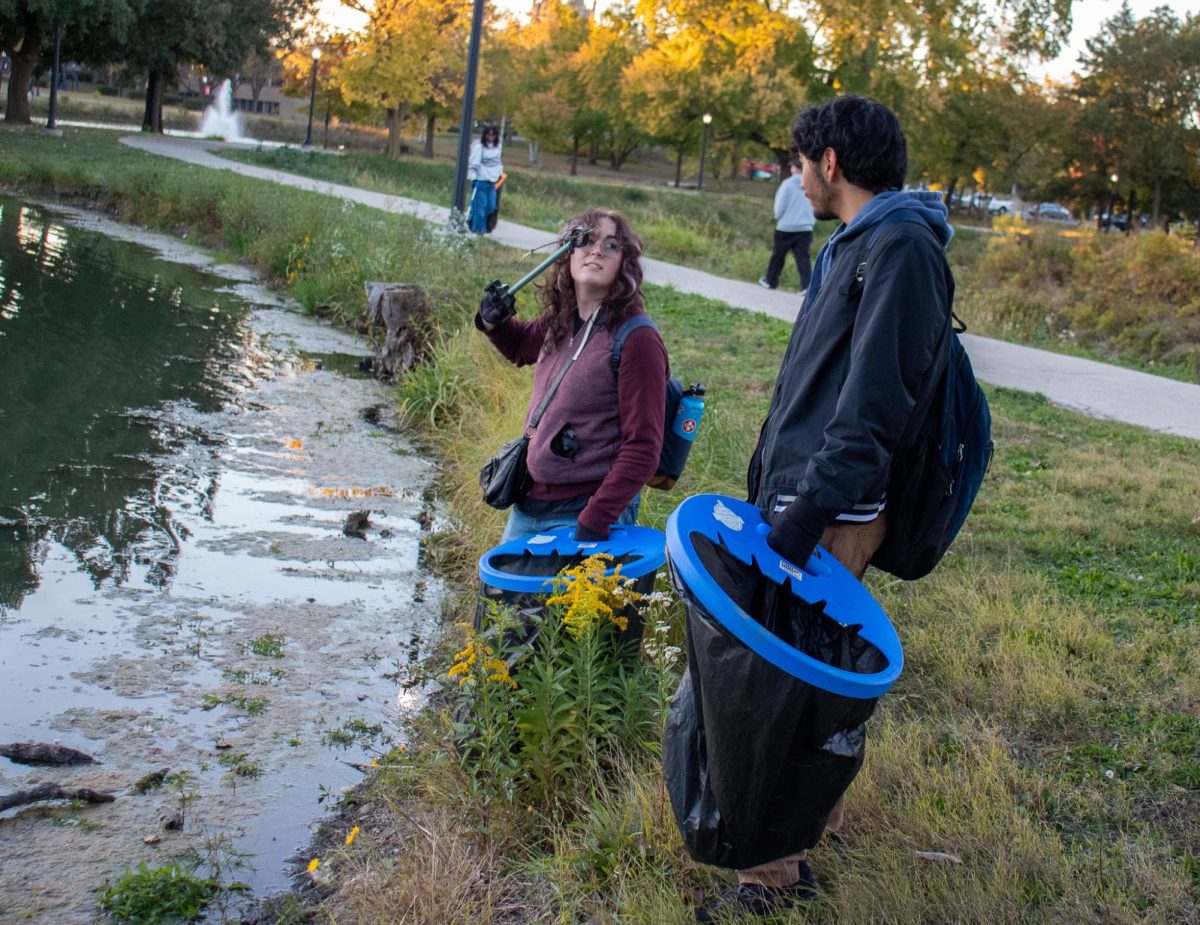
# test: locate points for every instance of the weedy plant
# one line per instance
(542, 701)
(148, 895)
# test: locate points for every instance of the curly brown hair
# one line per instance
(624, 298)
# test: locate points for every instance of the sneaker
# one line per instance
(763, 901)
(762, 281)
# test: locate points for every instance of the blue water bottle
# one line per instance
(691, 410)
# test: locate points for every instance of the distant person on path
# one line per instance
(483, 170)
(863, 357)
(794, 222)
(599, 440)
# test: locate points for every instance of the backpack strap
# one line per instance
(892, 218)
(627, 327)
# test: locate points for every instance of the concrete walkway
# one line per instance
(1095, 389)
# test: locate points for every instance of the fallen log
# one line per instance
(44, 753)
(53, 792)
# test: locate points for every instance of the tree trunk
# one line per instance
(1129, 214)
(783, 157)
(1156, 211)
(430, 124)
(152, 118)
(594, 152)
(396, 119)
(678, 166)
(574, 155)
(949, 197)
(24, 60)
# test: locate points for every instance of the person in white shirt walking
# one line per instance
(794, 222)
(484, 169)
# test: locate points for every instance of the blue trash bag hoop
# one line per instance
(741, 529)
(643, 547)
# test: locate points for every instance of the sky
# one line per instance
(1087, 16)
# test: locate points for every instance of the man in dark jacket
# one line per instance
(858, 373)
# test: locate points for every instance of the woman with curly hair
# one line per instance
(599, 438)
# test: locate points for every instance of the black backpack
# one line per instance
(936, 473)
(675, 448)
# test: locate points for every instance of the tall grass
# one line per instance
(727, 234)
(1044, 736)
(1133, 299)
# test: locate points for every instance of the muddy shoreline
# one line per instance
(258, 656)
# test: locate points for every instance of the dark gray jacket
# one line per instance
(862, 357)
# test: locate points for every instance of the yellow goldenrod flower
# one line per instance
(590, 597)
(498, 671)
(478, 657)
(314, 864)
(353, 835)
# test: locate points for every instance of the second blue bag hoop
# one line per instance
(638, 550)
(739, 528)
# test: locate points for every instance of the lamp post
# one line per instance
(52, 120)
(707, 120)
(1113, 178)
(312, 97)
(459, 195)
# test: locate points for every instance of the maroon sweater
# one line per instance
(618, 419)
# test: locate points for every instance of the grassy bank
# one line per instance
(1045, 730)
(1125, 300)
(726, 234)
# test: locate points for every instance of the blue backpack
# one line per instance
(936, 472)
(675, 447)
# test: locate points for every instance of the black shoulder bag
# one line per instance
(505, 478)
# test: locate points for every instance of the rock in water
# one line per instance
(44, 753)
(356, 523)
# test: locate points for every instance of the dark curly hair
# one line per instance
(871, 149)
(624, 298)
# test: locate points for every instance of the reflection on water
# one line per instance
(178, 455)
(91, 346)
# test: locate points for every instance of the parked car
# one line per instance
(1001, 207)
(760, 170)
(1051, 211)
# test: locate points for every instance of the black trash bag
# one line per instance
(754, 758)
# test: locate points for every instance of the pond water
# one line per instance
(178, 455)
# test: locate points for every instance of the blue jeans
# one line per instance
(483, 204)
(521, 524)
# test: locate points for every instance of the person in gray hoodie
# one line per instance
(860, 370)
(794, 222)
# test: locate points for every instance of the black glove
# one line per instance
(497, 304)
(792, 542)
(584, 535)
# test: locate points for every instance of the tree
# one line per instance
(216, 34)
(27, 31)
(553, 108)
(297, 64)
(1140, 98)
(411, 52)
(612, 45)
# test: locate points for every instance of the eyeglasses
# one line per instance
(586, 237)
